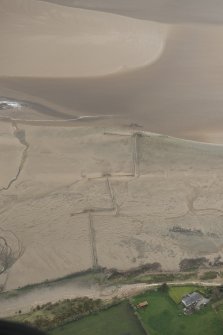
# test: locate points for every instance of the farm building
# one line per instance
(194, 301)
(191, 299)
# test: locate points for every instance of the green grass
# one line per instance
(158, 278)
(154, 278)
(177, 292)
(117, 320)
(209, 275)
(53, 314)
(164, 317)
(32, 317)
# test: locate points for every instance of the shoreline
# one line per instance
(75, 122)
(95, 292)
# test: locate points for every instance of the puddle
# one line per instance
(9, 104)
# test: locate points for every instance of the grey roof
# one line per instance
(202, 302)
(191, 299)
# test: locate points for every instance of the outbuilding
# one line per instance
(142, 304)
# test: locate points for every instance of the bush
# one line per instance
(209, 275)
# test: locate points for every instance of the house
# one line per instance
(142, 304)
(191, 300)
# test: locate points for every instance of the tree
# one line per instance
(164, 288)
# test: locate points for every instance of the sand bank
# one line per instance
(46, 40)
(169, 11)
(180, 94)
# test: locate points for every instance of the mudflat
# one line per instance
(86, 197)
(86, 181)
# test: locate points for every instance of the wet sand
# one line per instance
(84, 197)
(46, 40)
(179, 95)
(108, 198)
(169, 11)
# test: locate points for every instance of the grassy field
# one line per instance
(147, 277)
(118, 320)
(209, 275)
(53, 314)
(164, 317)
(177, 292)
